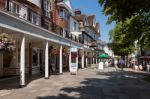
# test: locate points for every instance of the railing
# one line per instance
(24, 12)
(74, 37)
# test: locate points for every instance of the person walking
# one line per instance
(121, 63)
(50, 67)
(116, 64)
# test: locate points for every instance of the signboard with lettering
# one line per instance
(74, 60)
(74, 49)
(73, 68)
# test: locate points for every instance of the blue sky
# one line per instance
(93, 7)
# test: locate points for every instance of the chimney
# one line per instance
(77, 12)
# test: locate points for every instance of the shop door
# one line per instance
(36, 61)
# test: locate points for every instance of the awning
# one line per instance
(103, 56)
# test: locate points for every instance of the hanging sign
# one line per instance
(74, 49)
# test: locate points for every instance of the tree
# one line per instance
(122, 42)
(134, 15)
(119, 10)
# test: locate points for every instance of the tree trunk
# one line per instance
(127, 61)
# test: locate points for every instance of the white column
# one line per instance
(38, 58)
(22, 62)
(93, 61)
(77, 61)
(69, 60)
(86, 61)
(60, 60)
(82, 61)
(46, 61)
(96, 60)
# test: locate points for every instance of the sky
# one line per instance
(92, 7)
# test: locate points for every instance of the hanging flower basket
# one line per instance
(55, 52)
(7, 44)
(65, 52)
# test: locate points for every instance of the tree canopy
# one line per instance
(119, 10)
(132, 19)
(122, 42)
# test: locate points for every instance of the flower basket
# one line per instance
(7, 44)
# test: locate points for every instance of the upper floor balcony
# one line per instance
(25, 13)
(72, 37)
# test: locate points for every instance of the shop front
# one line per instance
(65, 59)
(53, 59)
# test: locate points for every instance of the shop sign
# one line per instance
(74, 49)
(73, 68)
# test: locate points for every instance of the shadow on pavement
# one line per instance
(13, 83)
(116, 85)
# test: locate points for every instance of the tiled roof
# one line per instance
(80, 17)
(90, 19)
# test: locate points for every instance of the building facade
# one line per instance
(90, 32)
(44, 31)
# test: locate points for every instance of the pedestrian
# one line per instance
(121, 63)
(148, 67)
(140, 67)
(106, 63)
(116, 64)
(50, 67)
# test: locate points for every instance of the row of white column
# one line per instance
(93, 61)
(22, 61)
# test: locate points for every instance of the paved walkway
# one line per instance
(87, 84)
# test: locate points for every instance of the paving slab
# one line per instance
(89, 83)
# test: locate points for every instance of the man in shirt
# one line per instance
(121, 63)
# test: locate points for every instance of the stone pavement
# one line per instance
(87, 84)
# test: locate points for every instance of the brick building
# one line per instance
(44, 32)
